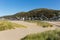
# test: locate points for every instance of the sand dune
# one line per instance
(18, 33)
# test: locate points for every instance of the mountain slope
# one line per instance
(37, 14)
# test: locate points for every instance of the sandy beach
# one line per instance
(18, 33)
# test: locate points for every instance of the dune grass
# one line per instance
(49, 35)
(41, 23)
(5, 25)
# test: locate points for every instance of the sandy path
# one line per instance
(18, 33)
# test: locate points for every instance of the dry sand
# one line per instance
(18, 33)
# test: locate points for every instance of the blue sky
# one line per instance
(9, 7)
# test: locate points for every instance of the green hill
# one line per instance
(36, 14)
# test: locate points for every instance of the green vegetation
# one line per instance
(37, 14)
(41, 23)
(49, 35)
(5, 25)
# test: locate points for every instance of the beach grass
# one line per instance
(48, 35)
(5, 25)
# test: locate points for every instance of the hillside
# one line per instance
(36, 14)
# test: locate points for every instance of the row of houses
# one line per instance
(33, 18)
(38, 18)
(42, 17)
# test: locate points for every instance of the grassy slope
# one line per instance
(5, 25)
(49, 35)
